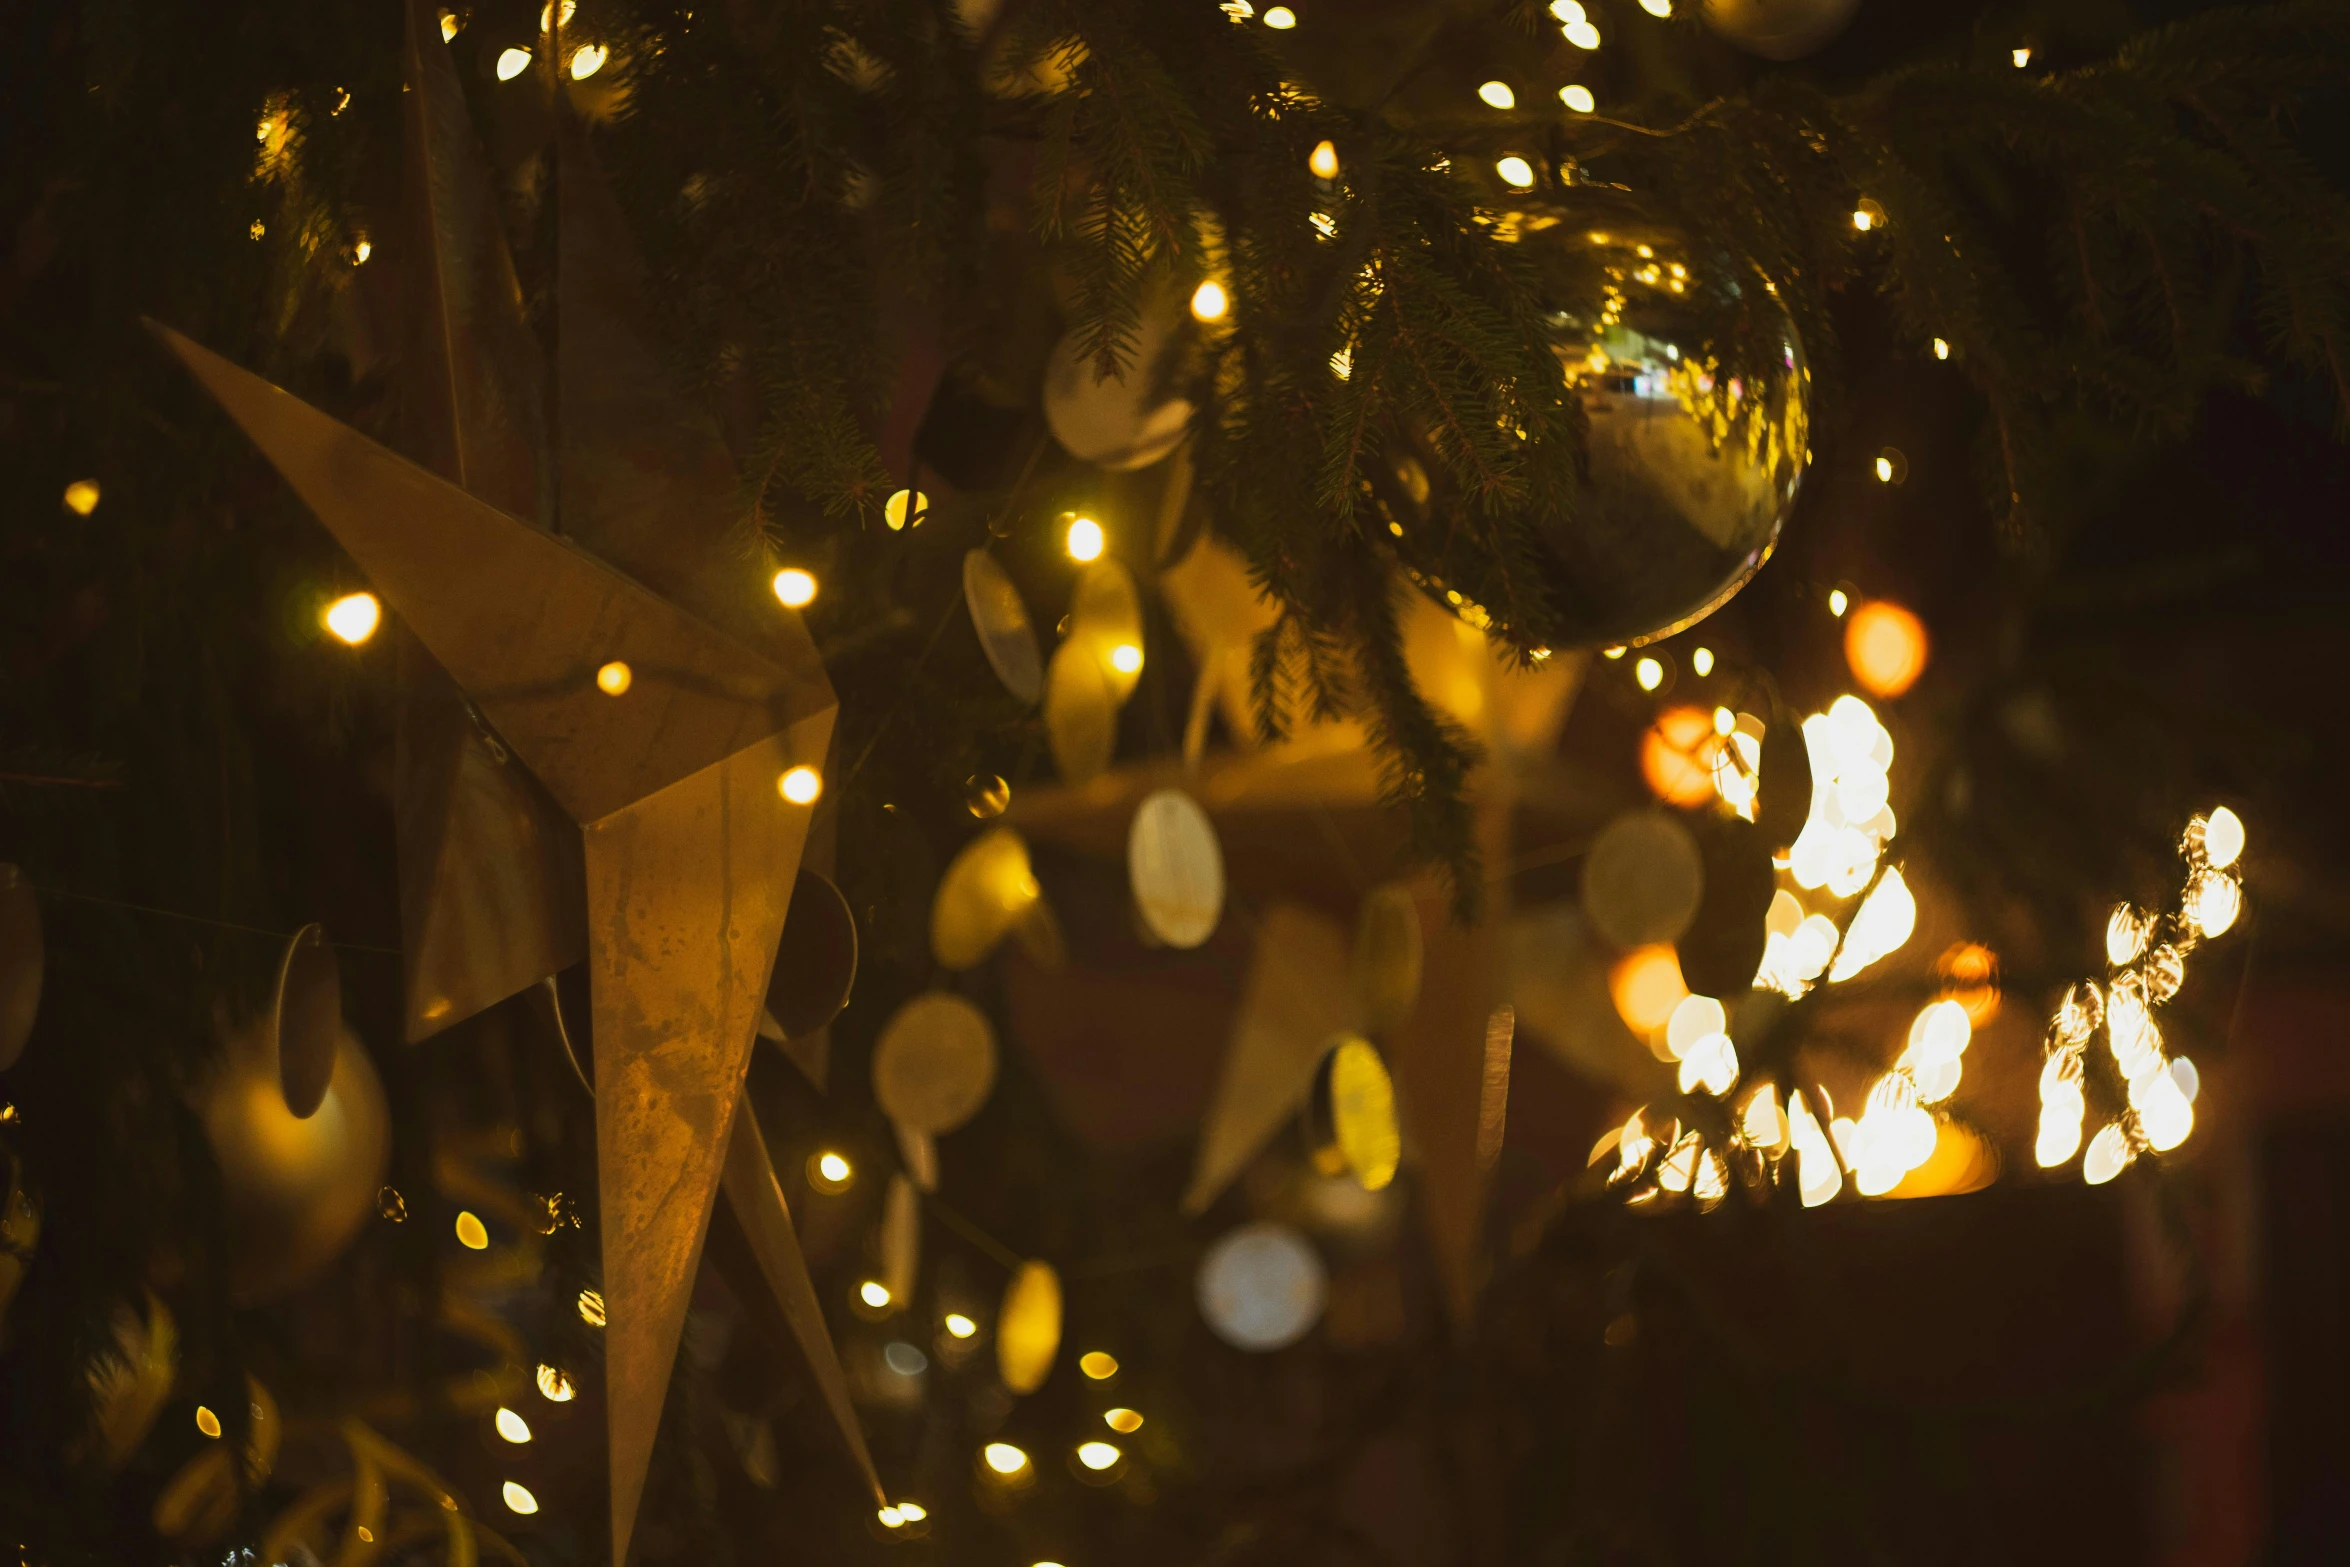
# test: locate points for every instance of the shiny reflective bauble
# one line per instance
(1778, 29)
(1697, 398)
(986, 796)
(296, 1188)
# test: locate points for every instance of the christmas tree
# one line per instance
(1151, 781)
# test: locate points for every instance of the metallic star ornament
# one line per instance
(594, 726)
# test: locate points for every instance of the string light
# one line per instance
(512, 63)
(1342, 363)
(1084, 541)
(1322, 162)
(449, 26)
(207, 1422)
(554, 1386)
(1209, 302)
(1578, 97)
(1941, 348)
(1649, 673)
(511, 1426)
(1515, 171)
(81, 497)
(1582, 35)
(361, 251)
(1097, 1455)
(795, 588)
(1495, 94)
(471, 1233)
(801, 785)
(1838, 602)
(1568, 12)
(1886, 646)
(1657, 8)
(587, 60)
(874, 1294)
(1280, 18)
(518, 1499)
(591, 1308)
(1126, 658)
(2021, 56)
(1868, 215)
(1098, 1365)
(960, 1326)
(830, 1172)
(1004, 1458)
(615, 678)
(1123, 1421)
(353, 617)
(1702, 661)
(2221, 837)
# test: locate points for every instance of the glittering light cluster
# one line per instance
(2145, 964)
(1851, 818)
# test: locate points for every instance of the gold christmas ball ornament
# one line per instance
(1000, 616)
(1028, 1327)
(22, 958)
(986, 796)
(1696, 398)
(297, 1188)
(1778, 29)
(1176, 868)
(935, 1063)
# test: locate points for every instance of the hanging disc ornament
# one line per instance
(1080, 713)
(1692, 383)
(1783, 788)
(302, 1022)
(1122, 422)
(1642, 879)
(297, 1188)
(21, 962)
(1176, 868)
(1723, 947)
(1028, 1327)
(1262, 1287)
(1388, 955)
(1362, 1113)
(1778, 29)
(934, 1064)
(815, 960)
(1000, 617)
(988, 890)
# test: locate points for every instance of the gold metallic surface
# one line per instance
(757, 1200)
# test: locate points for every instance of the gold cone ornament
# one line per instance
(653, 691)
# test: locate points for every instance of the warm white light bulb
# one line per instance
(960, 1326)
(1941, 348)
(1084, 540)
(512, 1426)
(354, 617)
(1126, 658)
(1004, 1458)
(1281, 18)
(2223, 838)
(512, 63)
(1582, 35)
(874, 1293)
(1578, 97)
(1515, 171)
(1498, 95)
(471, 1233)
(1702, 661)
(1838, 602)
(1097, 1455)
(2022, 57)
(795, 588)
(519, 1500)
(801, 785)
(1322, 163)
(1649, 673)
(1209, 302)
(587, 60)
(615, 678)
(554, 1386)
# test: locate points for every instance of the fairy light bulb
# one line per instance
(795, 588)
(1577, 98)
(511, 1426)
(2213, 901)
(517, 1496)
(2021, 56)
(591, 1308)
(1838, 602)
(554, 1386)
(2108, 1155)
(1582, 35)
(1941, 348)
(1649, 673)
(1657, 8)
(512, 63)
(1280, 18)
(81, 497)
(207, 1422)
(1515, 172)
(1123, 1421)
(1004, 1458)
(1322, 162)
(1702, 661)
(1126, 658)
(615, 678)
(471, 1233)
(830, 1172)
(2125, 935)
(896, 512)
(353, 618)
(1097, 1455)
(587, 60)
(801, 785)
(1084, 540)
(874, 1294)
(1498, 95)
(1099, 1365)
(960, 1326)
(2223, 838)
(1209, 302)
